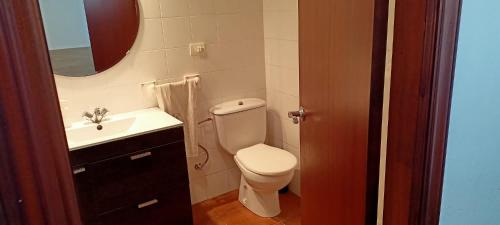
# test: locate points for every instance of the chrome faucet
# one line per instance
(97, 117)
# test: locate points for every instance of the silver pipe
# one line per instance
(200, 166)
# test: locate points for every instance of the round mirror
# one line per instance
(86, 37)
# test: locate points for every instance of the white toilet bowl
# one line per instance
(272, 170)
(264, 169)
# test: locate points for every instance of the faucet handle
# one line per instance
(100, 111)
(87, 115)
(104, 111)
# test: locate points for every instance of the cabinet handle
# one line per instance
(148, 203)
(140, 156)
(79, 170)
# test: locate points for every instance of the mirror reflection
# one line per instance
(86, 37)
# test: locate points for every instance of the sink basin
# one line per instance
(109, 128)
(85, 134)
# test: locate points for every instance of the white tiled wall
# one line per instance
(282, 76)
(233, 68)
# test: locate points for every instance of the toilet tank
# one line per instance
(240, 123)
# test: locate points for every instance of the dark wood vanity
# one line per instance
(141, 180)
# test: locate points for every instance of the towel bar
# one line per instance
(154, 82)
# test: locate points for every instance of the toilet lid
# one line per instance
(266, 160)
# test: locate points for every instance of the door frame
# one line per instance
(36, 183)
(425, 43)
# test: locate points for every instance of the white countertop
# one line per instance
(120, 126)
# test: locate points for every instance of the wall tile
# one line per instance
(212, 86)
(274, 78)
(232, 57)
(150, 8)
(295, 183)
(201, 7)
(132, 93)
(283, 53)
(234, 177)
(251, 26)
(198, 190)
(176, 32)
(250, 78)
(203, 29)
(280, 5)
(227, 6)
(284, 79)
(216, 163)
(229, 27)
(148, 66)
(278, 25)
(267, 50)
(252, 52)
(291, 131)
(150, 35)
(174, 8)
(290, 81)
(295, 151)
(274, 129)
(252, 6)
(179, 62)
(212, 61)
(217, 184)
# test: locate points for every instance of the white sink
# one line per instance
(109, 128)
(84, 134)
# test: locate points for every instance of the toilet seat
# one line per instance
(266, 160)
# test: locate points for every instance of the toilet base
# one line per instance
(264, 204)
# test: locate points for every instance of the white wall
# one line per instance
(65, 23)
(471, 188)
(234, 68)
(282, 76)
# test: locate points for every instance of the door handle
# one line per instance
(297, 116)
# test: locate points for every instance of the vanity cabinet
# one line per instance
(141, 180)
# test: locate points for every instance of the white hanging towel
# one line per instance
(179, 100)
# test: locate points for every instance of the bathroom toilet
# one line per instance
(241, 130)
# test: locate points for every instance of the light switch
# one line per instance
(197, 49)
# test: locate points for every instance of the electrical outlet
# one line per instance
(197, 49)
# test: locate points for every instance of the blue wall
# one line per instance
(472, 176)
(65, 23)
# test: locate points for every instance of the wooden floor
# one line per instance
(227, 210)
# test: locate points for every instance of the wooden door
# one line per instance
(342, 58)
(113, 26)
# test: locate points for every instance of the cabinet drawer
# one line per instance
(125, 146)
(141, 163)
(169, 208)
(118, 181)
